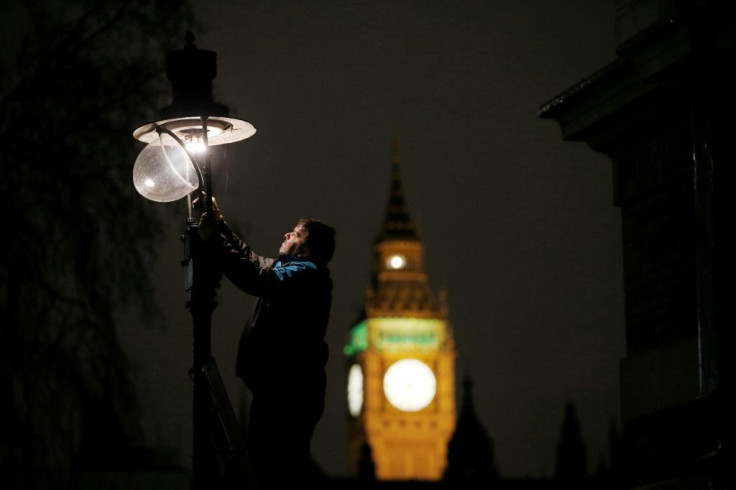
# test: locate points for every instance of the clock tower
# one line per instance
(401, 358)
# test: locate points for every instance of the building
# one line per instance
(663, 112)
(400, 358)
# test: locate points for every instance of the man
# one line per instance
(282, 353)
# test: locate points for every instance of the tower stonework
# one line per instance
(401, 358)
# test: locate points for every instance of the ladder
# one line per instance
(229, 447)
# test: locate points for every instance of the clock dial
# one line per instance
(410, 385)
(396, 261)
(355, 390)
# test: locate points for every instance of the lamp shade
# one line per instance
(163, 171)
(220, 130)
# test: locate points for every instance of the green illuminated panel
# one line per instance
(396, 335)
(358, 339)
(401, 334)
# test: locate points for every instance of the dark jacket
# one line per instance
(284, 341)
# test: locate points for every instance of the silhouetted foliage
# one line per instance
(571, 452)
(75, 81)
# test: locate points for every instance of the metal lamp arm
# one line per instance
(200, 178)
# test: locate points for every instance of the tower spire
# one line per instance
(405, 350)
(397, 224)
(470, 454)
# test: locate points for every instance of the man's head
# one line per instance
(310, 239)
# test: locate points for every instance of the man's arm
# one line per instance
(245, 268)
(249, 271)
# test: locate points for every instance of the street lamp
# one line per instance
(174, 164)
(167, 170)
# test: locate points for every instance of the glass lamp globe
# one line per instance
(163, 172)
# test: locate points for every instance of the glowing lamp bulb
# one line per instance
(196, 146)
(163, 171)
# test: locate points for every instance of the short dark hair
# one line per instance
(320, 240)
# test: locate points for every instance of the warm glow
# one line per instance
(196, 146)
(193, 138)
(396, 261)
(409, 385)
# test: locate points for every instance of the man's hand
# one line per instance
(208, 225)
(199, 202)
(209, 221)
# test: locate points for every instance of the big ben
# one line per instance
(401, 357)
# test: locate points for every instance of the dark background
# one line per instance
(518, 226)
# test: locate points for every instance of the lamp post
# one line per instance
(176, 163)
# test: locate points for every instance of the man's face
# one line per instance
(295, 243)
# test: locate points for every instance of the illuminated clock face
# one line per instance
(396, 261)
(409, 385)
(355, 390)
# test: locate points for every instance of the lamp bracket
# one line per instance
(197, 170)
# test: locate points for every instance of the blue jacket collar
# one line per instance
(286, 259)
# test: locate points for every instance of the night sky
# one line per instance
(518, 226)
